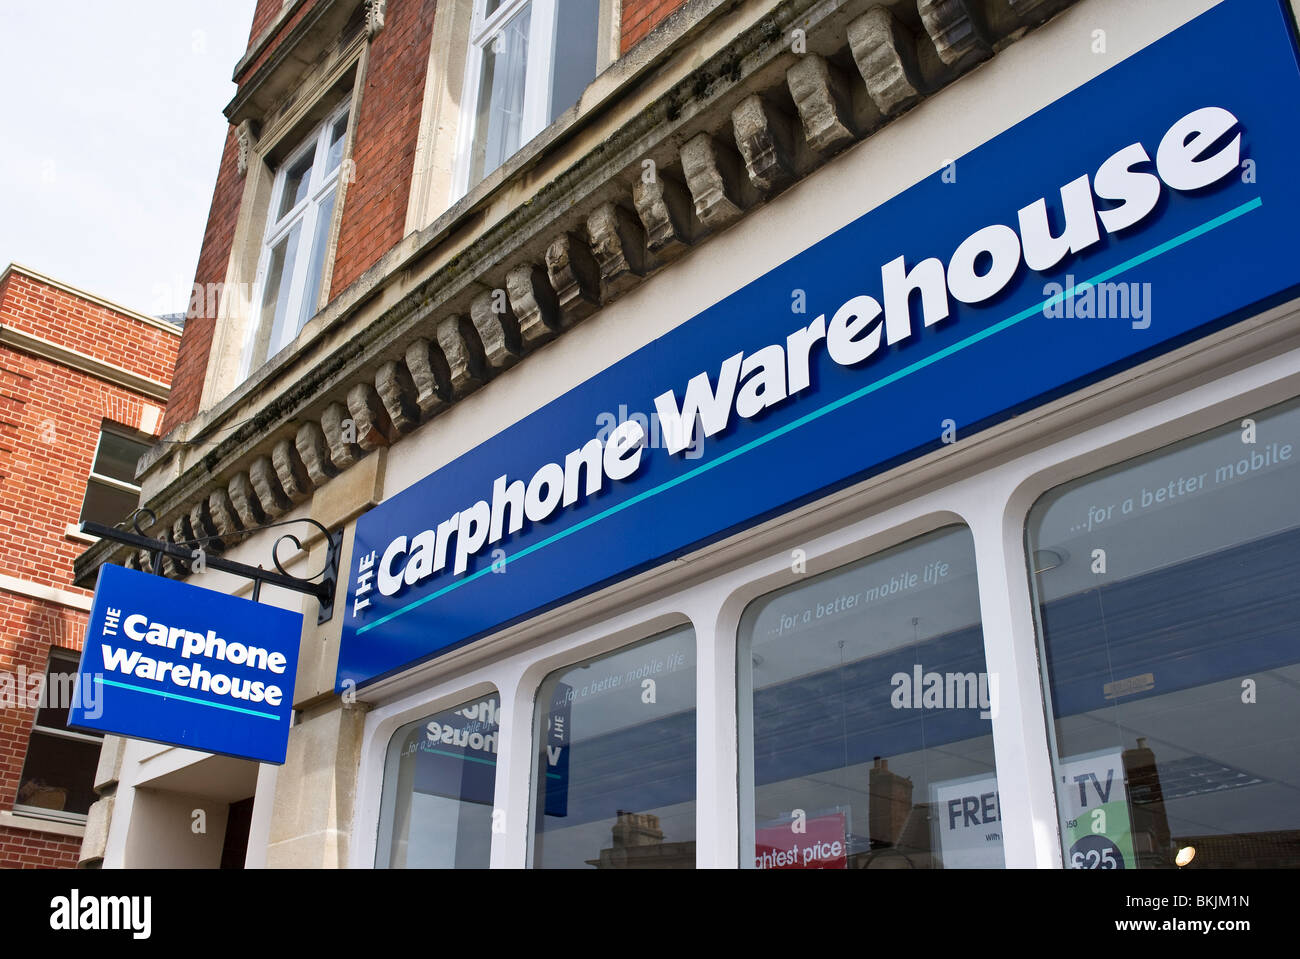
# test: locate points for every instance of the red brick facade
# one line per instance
(201, 322)
(388, 125)
(50, 419)
(642, 16)
(373, 218)
(214, 254)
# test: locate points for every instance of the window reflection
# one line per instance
(1167, 599)
(865, 713)
(615, 774)
(439, 785)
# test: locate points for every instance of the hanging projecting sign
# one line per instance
(187, 666)
(1151, 206)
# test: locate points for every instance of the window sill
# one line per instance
(30, 819)
(74, 532)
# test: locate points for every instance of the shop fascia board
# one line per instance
(1273, 337)
(374, 320)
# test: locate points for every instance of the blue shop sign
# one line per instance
(187, 666)
(1149, 207)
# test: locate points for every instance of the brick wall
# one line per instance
(25, 849)
(50, 419)
(388, 125)
(263, 14)
(87, 327)
(214, 256)
(642, 16)
(46, 459)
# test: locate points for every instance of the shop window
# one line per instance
(111, 491)
(1167, 600)
(614, 783)
(59, 771)
(529, 61)
(296, 241)
(865, 717)
(439, 784)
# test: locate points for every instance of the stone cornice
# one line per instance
(51, 594)
(418, 331)
(92, 366)
(291, 55)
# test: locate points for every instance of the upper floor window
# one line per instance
(111, 491)
(296, 241)
(529, 61)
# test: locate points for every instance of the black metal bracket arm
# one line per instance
(322, 585)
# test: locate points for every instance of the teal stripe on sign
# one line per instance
(843, 401)
(188, 699)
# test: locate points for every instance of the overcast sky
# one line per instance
(110, 137)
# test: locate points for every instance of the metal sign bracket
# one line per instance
(185, 555)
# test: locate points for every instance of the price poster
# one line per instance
(817, 842)
(1095, 822)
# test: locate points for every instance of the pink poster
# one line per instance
(803, 844)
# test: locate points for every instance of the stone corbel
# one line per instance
(953, 30)
(375, 10)
(246, 137)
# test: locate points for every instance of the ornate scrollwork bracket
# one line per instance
(322, 585)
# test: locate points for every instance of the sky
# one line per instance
(111, 132)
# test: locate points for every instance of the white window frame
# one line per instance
(93, 477)
(304, 214)
(537, 76)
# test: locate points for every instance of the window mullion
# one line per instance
(255, 318)
(318, 158)
(537, 77)
(277, 193)
(469, 114)
(484, 27)
(115, 483)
